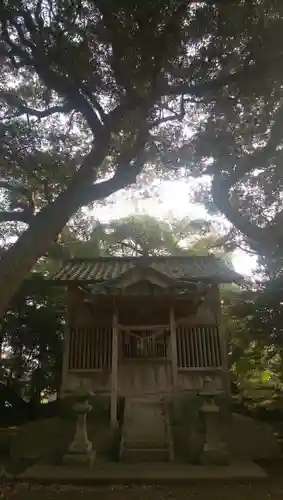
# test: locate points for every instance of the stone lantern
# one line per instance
(80, 451)
(214, 450)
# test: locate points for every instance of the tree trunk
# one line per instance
(281, 361)
(1, 349)
(43, 230)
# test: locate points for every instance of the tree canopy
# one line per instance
(142, 235)
(95, 92)
(240, 141)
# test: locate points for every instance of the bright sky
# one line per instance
(173, 200)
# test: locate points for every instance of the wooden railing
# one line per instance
(198, 346)
(148, 344)
(90, 348)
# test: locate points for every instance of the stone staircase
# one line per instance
(146, 433)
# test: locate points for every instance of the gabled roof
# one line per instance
(94, 270)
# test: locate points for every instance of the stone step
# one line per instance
(145, 433)
(146, 408)
(145, 455)
(145, 444)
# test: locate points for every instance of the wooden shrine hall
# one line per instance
(143, 326)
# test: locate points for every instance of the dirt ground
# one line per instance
(267, 490)
(270, 489)
(264, 489)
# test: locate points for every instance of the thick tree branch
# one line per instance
(45, 226)
(38, 113)
(247, 250)
(23, 216)
(174, 114)
(223, 182)
(34, 55)
(71, 93)
(47, 193)
(99, 109)
(262, 239)
(129, 166)
(166, 119)
(121, 179)
(248, 71)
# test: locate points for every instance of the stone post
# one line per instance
(214, 450)
(80, 450)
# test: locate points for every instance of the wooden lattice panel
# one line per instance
(90, 348)
(198, 346)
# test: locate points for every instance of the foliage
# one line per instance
(97, 77)
(254, 318)
(142, 234)
(32, 334)
(240, 141)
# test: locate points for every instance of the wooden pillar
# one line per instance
(173, 339)
(224, 351)
(223, 338)
(114, 371)
(65, 363)
(66, 341)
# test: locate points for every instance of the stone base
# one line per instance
(80, 459)
(80, 448)
(215, 457)
(146, 473)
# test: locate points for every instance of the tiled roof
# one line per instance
(109, 268)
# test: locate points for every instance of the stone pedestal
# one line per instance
(80, 451)
(214, 450)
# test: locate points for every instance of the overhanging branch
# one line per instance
(248, 71)
(129, 165)
(30, 52)
(179, 116)
(65, 108)
(23, 216)
(166, 119)
(261, 238)
(269, 236)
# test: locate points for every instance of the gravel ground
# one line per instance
(267, 490)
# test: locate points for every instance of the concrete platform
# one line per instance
(145, 473)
